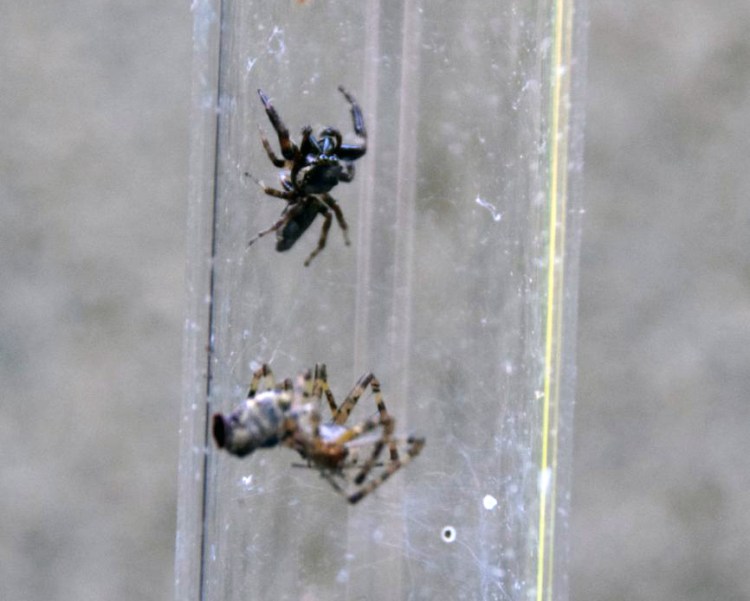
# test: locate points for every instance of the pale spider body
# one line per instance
(289, 415)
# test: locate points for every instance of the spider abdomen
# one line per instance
(257, 423)
(297, 224)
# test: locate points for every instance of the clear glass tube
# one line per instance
(458, 292)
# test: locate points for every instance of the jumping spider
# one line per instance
(289, 415)
(310, 171)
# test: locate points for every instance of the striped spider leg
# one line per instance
(334, 436)
(289, 415)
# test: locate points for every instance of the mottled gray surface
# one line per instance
(661, 482)
(93, 164)
(94, 99)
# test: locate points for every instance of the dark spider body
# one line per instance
(311, 170)
(290, 415)
(298, 223)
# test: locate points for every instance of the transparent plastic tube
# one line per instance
(458, 292)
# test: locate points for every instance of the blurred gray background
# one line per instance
(94, 115)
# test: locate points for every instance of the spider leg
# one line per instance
(287, 194)
(351, 152)
(333, 205)
(415, 447)
(280, 223)
(269, 151)
(306, 385)
(321, 387)
(363, 427)
(385, 438)
(354, 151)
(346, 407)
(262, 373)
(308, 145)
(387, 423)
(368, 379)
(288, 149)
(288, 215)
(332, 481)
(279, 193)
(323, 235)
(358, 430)
(342, 413)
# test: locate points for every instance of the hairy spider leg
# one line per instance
(363, 427)
(343, 412)
(262, 373)
(306, 385)
(287, 193)
(307, 145)
(333, 205)
(309, 391)
(328, 219)
(352, 152)
(269, 151)
(284, 219)
(386, 438)
(321, 387)
(358, 430)
(304, 390)
(368, 379)
(415, 447)
(330, 478)
(288, 149)
(308, 207)
(292, 211)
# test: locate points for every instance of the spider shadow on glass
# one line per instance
(310, 171)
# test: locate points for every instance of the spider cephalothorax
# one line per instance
(309, 171)
(290, 415)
